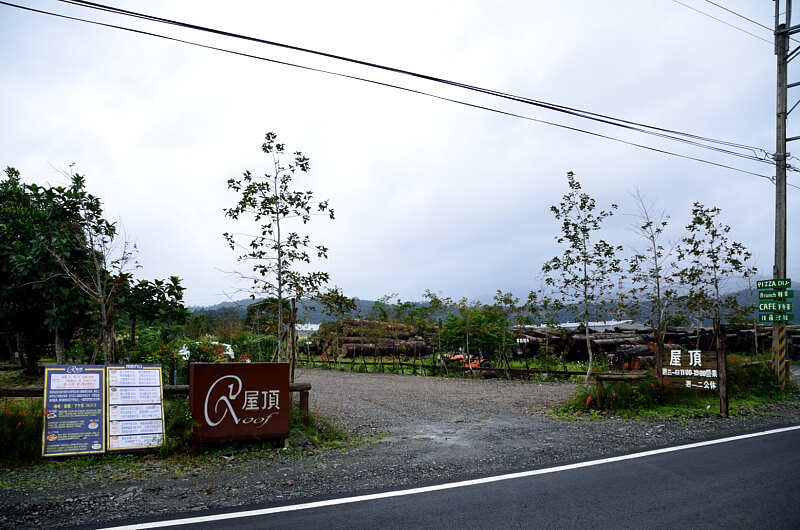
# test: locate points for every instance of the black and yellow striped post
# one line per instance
(780, 357)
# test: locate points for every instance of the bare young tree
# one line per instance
(650, 269)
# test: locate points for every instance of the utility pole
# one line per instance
(783, 29)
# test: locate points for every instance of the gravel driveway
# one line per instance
(432, 430)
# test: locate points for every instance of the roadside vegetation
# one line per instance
(69, 295)
(21, 433)
(751, 385)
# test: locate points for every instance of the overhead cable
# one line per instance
(726, 23)
(757, 154)
(388, 85)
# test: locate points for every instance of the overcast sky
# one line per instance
(428, 194)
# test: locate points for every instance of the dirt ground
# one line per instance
(422, 430)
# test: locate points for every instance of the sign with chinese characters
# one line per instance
(74, 399)
(135, 409)
(692, 368)
(774, 283)
(772, 300)
(232, 401)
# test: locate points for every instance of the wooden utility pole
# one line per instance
(783, 29)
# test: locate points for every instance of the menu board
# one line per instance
(135, 409)
(74, 401)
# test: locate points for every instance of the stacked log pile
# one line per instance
(629, 342)
(356, 338)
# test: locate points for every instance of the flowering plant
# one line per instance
(206, 351)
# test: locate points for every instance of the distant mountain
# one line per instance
(311, 312)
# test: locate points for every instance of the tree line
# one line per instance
(66, 273)
(65, 268)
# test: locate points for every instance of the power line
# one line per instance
(726, 23)
(740, 15)
(625, 124)
(389, 85)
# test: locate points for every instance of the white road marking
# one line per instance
(440, 487)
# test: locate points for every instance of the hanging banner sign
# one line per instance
(74, 402)
(234, 401)
(692, 368)
(135, 407)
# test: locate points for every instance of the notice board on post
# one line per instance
(135, 407)
(74, 403)
(692, 369)
(235, 401)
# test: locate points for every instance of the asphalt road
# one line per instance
(745, 482)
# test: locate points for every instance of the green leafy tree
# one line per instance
(198, 325)
(103, 274)
(708, 260)
(262, 316)
(337, 306)
(435, 308)
(511, 312)
(21, 305)
(38, 298)
(545, 311)
(154, 302)
(382, 309)
(583, 273)
(275, 251)
(474, 328)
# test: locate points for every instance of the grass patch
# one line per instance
(750, 387)
(21, 441)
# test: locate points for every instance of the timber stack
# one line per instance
(355, 338)
(623, 342)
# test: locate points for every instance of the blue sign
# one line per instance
(74, 401)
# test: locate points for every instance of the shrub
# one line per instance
(753, 379)
(206, 351)
(156, 352)
(20, 430)
(178, 425)
(258, 348)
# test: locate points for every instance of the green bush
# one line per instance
(178, 426)
(81, 349)
(319, 430)
(617, 396)
(748, 384)
(153, 351)
(20, 430)
(753, 379)
(206, 351)
(257, 348)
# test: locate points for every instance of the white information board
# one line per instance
(135, 413)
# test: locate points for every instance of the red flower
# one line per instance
(588, 400)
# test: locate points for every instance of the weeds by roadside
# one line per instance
(750, 387)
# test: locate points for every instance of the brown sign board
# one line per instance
(235, 401)
(692, 368)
